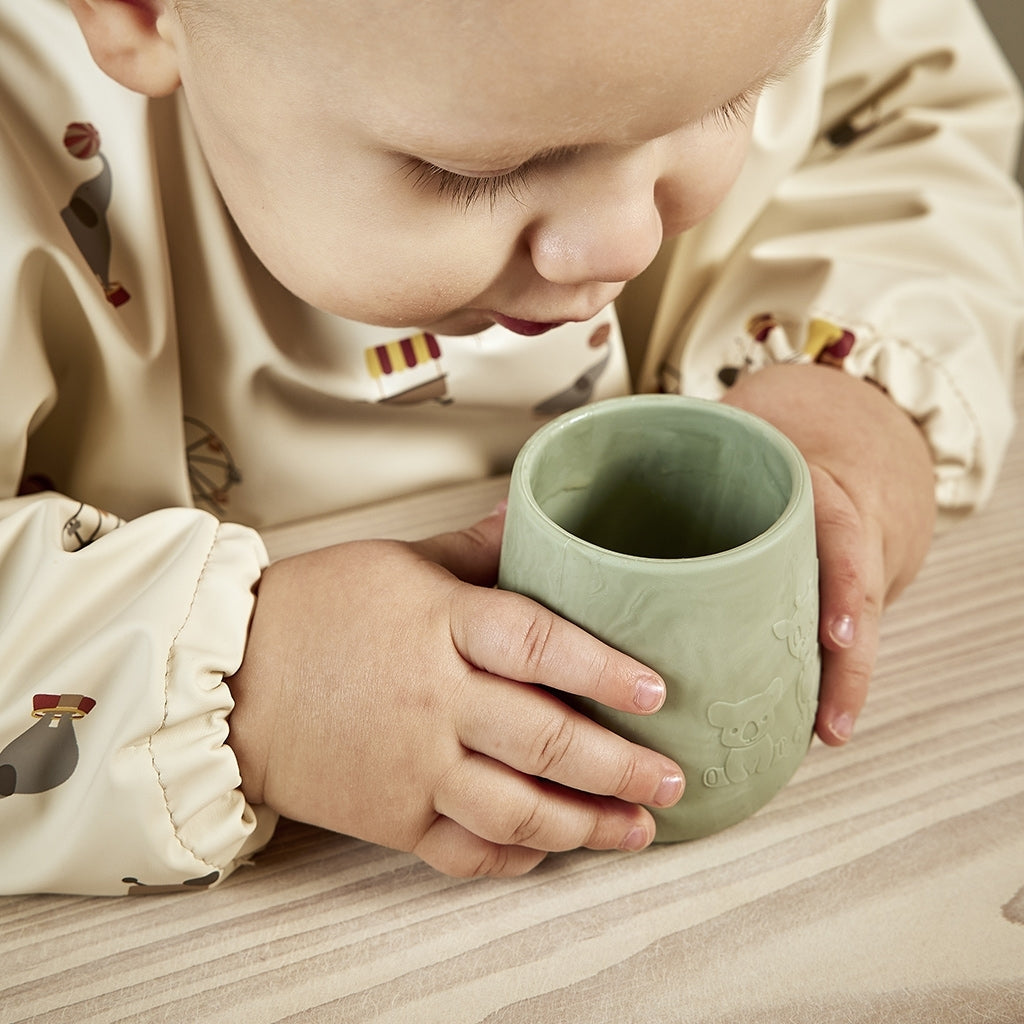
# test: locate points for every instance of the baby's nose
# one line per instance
(608, 235)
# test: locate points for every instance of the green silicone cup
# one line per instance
(681, 531)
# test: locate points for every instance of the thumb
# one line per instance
(470, 554)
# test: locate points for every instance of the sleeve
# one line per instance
(889, 238)
(116, 637)
(115, 640)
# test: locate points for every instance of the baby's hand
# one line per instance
(388, 693)
(874, 497)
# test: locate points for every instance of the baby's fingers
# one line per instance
(842, 558)
(845, 678)
(850, 586)
(534, 733)
(452, 849)
(504, 807)
(511, 636)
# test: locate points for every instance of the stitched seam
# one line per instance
(163, 721)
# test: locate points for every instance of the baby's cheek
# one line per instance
(390, 287)
(696, 186)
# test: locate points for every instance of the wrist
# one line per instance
(851, 430)
(254, 692)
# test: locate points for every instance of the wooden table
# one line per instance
(885, 882)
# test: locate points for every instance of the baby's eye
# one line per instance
(464, 190)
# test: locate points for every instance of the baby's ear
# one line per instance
(130, 41)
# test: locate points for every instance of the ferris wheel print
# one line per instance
(212, 470)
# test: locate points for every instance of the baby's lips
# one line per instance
(528, 328)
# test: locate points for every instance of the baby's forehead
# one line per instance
(525, 34)
(488, 74)
(581, 64)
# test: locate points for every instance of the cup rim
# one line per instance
(799, 471)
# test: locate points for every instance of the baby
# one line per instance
(456, 170)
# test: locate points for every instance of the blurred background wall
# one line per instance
(1006, 18)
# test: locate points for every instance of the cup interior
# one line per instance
(657, 477)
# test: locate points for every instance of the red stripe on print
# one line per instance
(409, 352)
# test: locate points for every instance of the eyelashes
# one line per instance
(737, 111)
(463, 191)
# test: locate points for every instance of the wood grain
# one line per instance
(885, 883)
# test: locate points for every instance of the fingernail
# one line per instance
(636, 839)
(669, 790)
(650, 693)
(501, 507)
(842, 727)
(841, 631)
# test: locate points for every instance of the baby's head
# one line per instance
(452, 163)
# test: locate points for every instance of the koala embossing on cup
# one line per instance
(681, 531)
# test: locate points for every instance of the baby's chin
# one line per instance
(464, 321)
(461, 321)
(453, 324)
